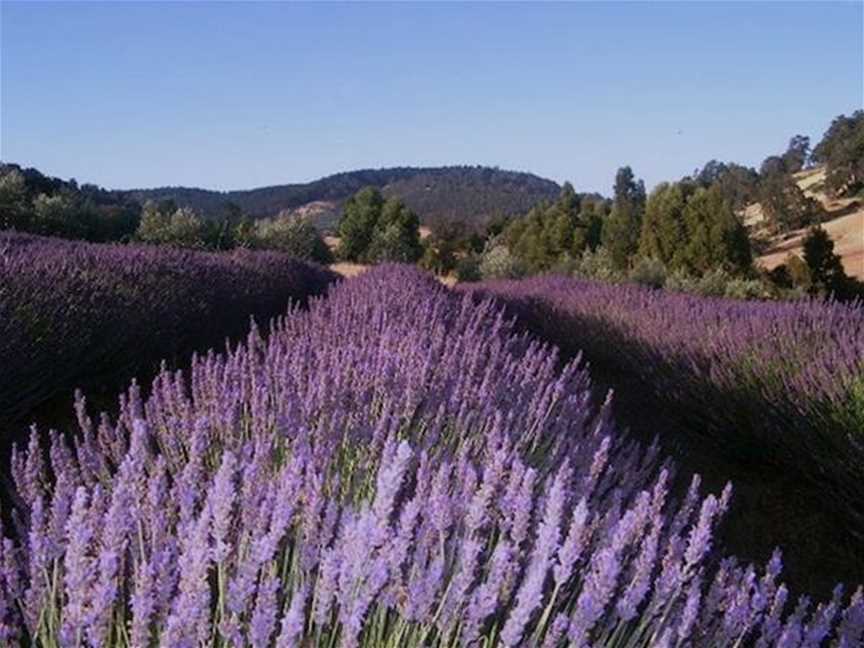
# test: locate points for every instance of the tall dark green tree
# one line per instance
(357, 226)
(715, 236)
(396, 236)
(827, 276)
(621, 230)
(372, 229)
(664, 234)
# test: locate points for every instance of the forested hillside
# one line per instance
(467, 193)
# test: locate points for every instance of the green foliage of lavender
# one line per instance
(72, 313)
(773, 382)
(394, 467)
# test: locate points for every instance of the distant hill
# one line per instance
(472, 194)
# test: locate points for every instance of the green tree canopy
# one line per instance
(784, 203)
(664, 234)
(294, 235)
(555, 232)
(738, 183)
(372, 229)
(842, 152)
(622, 228)
(827, 275)
(715, 236)
(15, 212)
(396, 236)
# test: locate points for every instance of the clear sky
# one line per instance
(240, 95)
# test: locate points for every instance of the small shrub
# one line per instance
(499, 263)
(598, 265)
(468, 268)
(648, 272)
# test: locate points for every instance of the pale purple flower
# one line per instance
(687, 622)
(143, 604)
(574, 544)
(221, 502)
(556, 631)
(772, 624)
(699, 542)
(78, 573)
(485, 598)
(38, 556)
(263, 622)
(822, 621)
(188, 622)
(600, 582)
(851, 629)
(294, 620)
(548, 538)
(635, 592)
(390, 481)
(325, 588)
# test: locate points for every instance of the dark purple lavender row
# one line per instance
(393, 467)
(764, 383)
(77, 314)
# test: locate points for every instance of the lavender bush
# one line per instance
(779, 383)
(394, 467)
(71, 312)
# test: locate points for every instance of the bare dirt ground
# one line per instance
(847, 232)
(844, 224)
(349, 269)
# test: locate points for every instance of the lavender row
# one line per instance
(394, 467)
(72, 312)
(780, 384)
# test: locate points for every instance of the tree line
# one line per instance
(686, 232)
(689, 233)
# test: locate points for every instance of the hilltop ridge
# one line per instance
(472, 194)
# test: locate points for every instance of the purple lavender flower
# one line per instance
(822, 621)
(325, 588)
(485, 598)
(851, 629)
(188, 624)
(294, 620)
(599, 585)
(221, 502)
(263, 621)
(640, 583)
(574, 544)
(687, 622)
(389, 482)
(78, 573)
(772, 624)
(548, 537)
(699, 543)
(556, 631)
(143, 604)
(38, 554)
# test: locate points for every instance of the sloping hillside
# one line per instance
(844, 224)
(472, 194)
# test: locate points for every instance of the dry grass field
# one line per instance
(844, 224)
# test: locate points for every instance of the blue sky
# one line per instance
(241, 95)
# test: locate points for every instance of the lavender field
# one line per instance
(398, 465)
(75, 314)
(769, 394)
